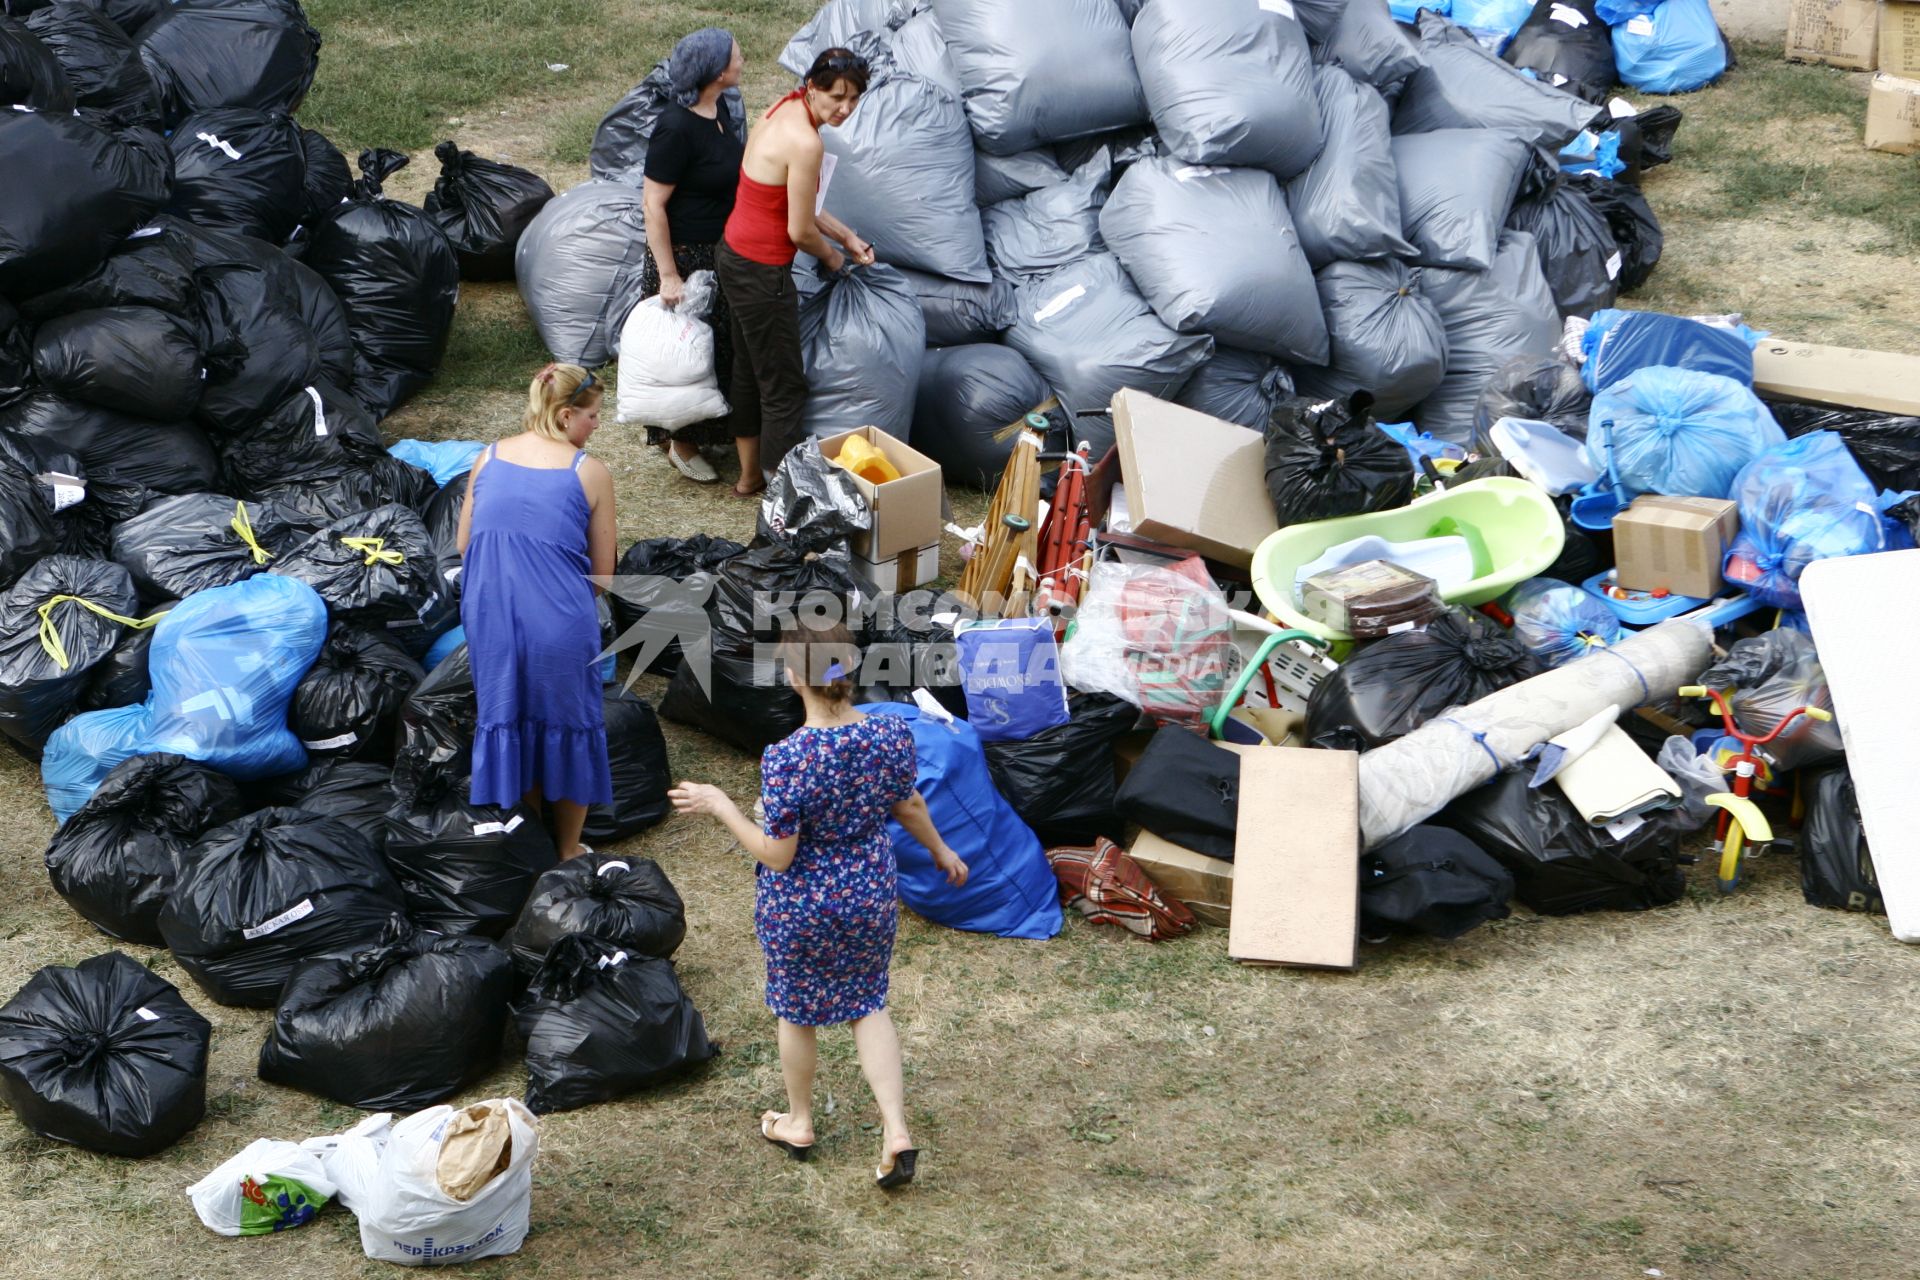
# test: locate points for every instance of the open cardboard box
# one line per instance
(1191, 480)
(906, 512)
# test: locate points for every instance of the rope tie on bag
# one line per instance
(375, 550)
(242, 525)
(1646, 693)
(1480, 737)
(50, 635)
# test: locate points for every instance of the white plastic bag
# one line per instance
(666, 361)
(1162, 638)
(270, 1186)
(387, 1174)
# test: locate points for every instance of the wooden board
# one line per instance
(1296, 875)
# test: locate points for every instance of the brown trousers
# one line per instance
(769, 386)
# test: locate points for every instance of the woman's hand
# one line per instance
(673, 291)
(949, 864)
(698, 799)
(860, 251)
(835, 261)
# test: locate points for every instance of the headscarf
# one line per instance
(697, 61)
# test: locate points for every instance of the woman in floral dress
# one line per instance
(826, 903)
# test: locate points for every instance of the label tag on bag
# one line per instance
(1613, 265)
(219, 144)
(145, 1014)
(1640, 24)
(1568, 17)
(1060, 302)
(1282, 7)
(299, 911)
(330, 744)
(499, 828)
(615, 865)
(319, 412)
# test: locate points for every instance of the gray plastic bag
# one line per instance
(997, 178)
(1237, 386)
(904, 175)
(1229, 83)
(957, 312)
(578, 265)
(1384, 337)
(1456, 186)
(1492, 317)
(1050, 227)
(620, 143)
(1041, 72)
(911, 32)
(1214, 250)
(813, 505)
(1463, 86)
(1346, 206)
(862, 339)
(1088, 332)
(968, 398)
(1369, 44)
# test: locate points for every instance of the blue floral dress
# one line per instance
(827, 921)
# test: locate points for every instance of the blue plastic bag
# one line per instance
(446, 644)
(1407, 12)
(1494, 21)
(444, 458)
(1010, 672)
(1675, 431)
(1421, 444)
(84, 750)
(1804, 501)
(1618, 342)
(1559, 622)
(1010, 887)
(1675, 49)
(1593, 153)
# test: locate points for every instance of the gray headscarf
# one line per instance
(697, 61)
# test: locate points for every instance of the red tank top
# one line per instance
(757, 227)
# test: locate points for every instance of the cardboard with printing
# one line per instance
(1674, 543)
(1899, 25)
(1839, 33)
(1846, 376)
(907, 511)
(1893, 113)
(1192, 480)
(1296, 859)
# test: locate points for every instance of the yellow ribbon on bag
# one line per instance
(375, 549)
(50, 635)
(243, 526)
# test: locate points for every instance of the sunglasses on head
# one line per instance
(585, 386)
(845, 62)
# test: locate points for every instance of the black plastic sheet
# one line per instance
(627, 901)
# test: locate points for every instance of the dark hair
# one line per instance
(810, 652)
(837, 64)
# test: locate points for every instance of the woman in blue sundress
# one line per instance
(537, 521)
(826, 901)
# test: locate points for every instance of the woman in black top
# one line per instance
(692, 172)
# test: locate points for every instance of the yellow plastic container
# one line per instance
(865, 461)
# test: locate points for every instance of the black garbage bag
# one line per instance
(1766, 677)
(1384, 337)
(317, 436)
(601, 1022)
(722, 686)
(1392, 686)
(80, 511)
(1574, 240)
(240, 170)
(348, 704)
(1463, 85)
(105, 1055)
(113, 860)
(1537, 388)
(356, 792)
(628, 902)
(436, 730)
(1235, 386)
(131, 16)
(101, 61)
(813, 505)
(968, 399)
(90, 186)
(1886, 445)
(153, 267)
(259, 346)
(1636, 231)
(1646, 140)
(138, 360)
(682, 572)
(1560, 864)
(16, 354)
(376, 569)
(205, 54)
(466, 868)
(1565, 44)
(400, 1025)
(115, 450)
(30, 71)
(1433, 882)
(26, 523)
(58, 622)
(186, 544)
(398, 276)
(121, 679)
(1184, 789)
(1329, 458)
(1060, 781)
(442, 518)
(482, 206)
(1836, 868)
(259, 895)
(637, 756)
(329, 178)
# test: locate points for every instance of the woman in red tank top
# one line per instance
(775, 213)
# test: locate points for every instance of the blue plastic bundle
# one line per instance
(1407, 12)
(1592, 152)
(1676, 431)
(1804, 501)
(1675, 48)
(1492, 21)
(1010, 889)
(1559, 622)
(445, 459)
(1010, 672)
(1618, 342)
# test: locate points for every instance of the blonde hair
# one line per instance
(553, 389)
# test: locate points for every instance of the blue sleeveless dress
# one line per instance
(532, 635)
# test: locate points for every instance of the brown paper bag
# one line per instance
(476, 1150)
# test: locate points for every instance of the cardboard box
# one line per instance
(1840, 33)
(1893, 113)
(1191, 480)
(1900, 39)
(1205, 884)
(1296, 859)
(906, 512)
(911, 568)
(1877, 380)
(1676, 543)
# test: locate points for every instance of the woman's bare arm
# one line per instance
(602, 528)
(466, 507)
(660, 240)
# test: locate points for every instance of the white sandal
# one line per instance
(696, 468)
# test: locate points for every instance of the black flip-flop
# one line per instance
(901, 1173)
(794, 1149)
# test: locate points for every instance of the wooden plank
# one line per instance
(1296, 877)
